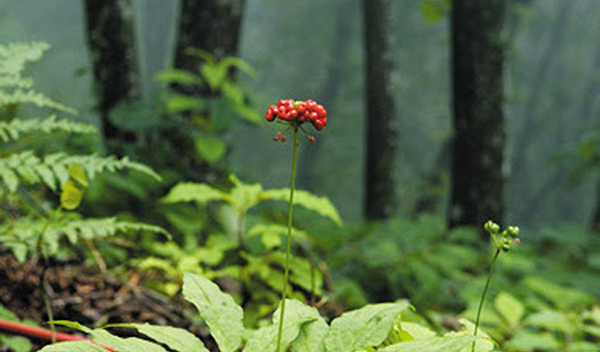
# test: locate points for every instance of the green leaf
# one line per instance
(525, 340)
(72, 324)
(76, 173)
(434, 11)
(197, 192)
(320, 205)
(232, 61)
(510, 308)
(175, 338)
(70, 196)
(222, 315)
(311, 337)
(214, 75)
(244, 196)
(551, 320)
(210, 149)
(73, 346)
(178, 76)
(453, 343)
(179, 102)
(131, 344)
(16, 343)
(364, 327)
(297, 314)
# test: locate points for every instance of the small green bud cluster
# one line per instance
(505, 239)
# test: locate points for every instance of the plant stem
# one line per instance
(40, 253)
(485, 289)
(289, 242)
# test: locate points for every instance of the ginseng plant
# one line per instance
(293, 114)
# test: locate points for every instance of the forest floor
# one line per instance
(78, 294)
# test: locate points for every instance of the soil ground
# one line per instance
(79, 294)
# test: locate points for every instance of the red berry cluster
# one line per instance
(297, 112)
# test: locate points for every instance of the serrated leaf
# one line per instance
(510, 308)
(365, 327)
(175, 338)
(73, 346)
(10, 179)
(220, 312)
(189, 191)
(297, 314)
(320, 205)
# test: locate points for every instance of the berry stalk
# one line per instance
(288, 243)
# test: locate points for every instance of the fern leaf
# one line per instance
(14, 129)
(52, 170)
(21, 96)
(101, 228)
(14, 56)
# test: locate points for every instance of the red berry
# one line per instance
(301, 108)
(293, 114)
(276, 138)
(321, 111)
(311, 138)
(318, 124)
(283, 138)
(314, 115)
(517, 240)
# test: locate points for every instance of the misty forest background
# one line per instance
(440, 116)
(550, 79)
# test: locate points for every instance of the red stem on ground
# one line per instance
(45, 334)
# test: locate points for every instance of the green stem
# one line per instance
(289, 243)
(40, 253)
(485, 289)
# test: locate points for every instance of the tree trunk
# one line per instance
(382, 128)
(111, 41)
(477, 180)
(212, 26)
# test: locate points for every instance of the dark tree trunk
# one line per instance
(382, 124)
(111, 40)
(212, 26)
(477, 180)
(329, 92)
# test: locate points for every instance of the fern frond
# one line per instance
(22, 96)
(100, 228)
(14, 56)
(28, 168)
(14, 129)
(21, 236)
